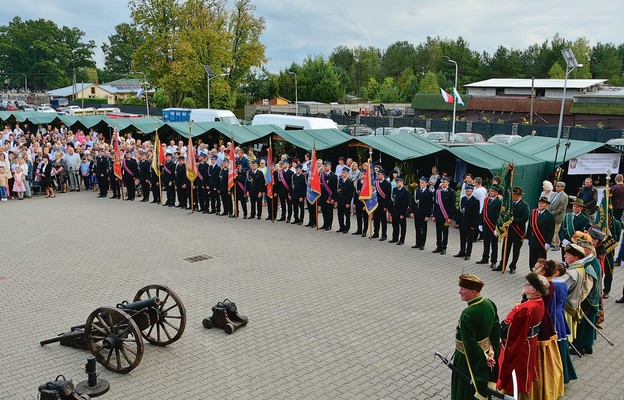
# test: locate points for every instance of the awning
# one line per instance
(545, 148)
(35, 117)
(402, 146)
(308, 138)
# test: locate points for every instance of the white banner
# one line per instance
(595, 164)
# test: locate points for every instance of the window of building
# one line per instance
(92, 90)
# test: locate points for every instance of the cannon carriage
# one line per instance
(114, 335)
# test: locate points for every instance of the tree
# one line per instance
(388, 91)
(429, 83)
(397, 57)
(556, 71)
(343, 60)
(316, 80)
(366, 65)
(605, 63)
(119, 49)
(372, 89)
(409, 90)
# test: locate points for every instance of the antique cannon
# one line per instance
(225, 316)
(59, 389)
(114, 335)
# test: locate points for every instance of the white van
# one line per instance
(291, 122)
(212, 115)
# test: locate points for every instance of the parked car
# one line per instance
(467, 138)
(11, 106)
(45, 109)
(69, 110)
(384, 130)
(3, 105)
(436, 136)
(28, 108)
(21, 104)
(409, 129)
(503, 139)
(358, 130)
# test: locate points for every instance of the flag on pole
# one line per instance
(314, 183)
(140, 93)
(609, 225)
(505, 215)
(368, 194)
(447, 97)
(191, 164)
(232, 168)
(458, 97)
(157, 157)
(117, 159)
(268, 179)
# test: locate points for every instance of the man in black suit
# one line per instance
(130, 170)
(487, 225)
(213, 185)
(102, 169)
(282, 189)
(201, 183)
(468, 220)
(298, 194)
(155, 183)
(168, 179)
(380, 215)
(422, 208)
(540, 231)
(144, 175)
(113, 179)
(515, 232)
(360, 211)
(255, 189)
(224, 191)
(329, 187)
(443, 213)
(240, 182)
(400, 203)
(344, 198)
(182, 183)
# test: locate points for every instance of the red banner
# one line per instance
(269, 175)
(232, 170)
(367, 186)
(118, 157)
(315, 181)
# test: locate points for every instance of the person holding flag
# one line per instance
(443, 213)
(611, 227)
(329, 187)
(191, 171)
(158, 160)
(382, 194)
(225, 188)
(313, 191)
(130, 174)
(255, 190)
(487, 225)
(422, 209)
(363, 192)
(516, 231)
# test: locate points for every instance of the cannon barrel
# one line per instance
(140, 305)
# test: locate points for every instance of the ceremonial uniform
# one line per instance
(298, 195)
(102, 168)
(241, 190)
(144, 175)
(329, 185)
(203, 183)
(213, 186)
(183, 186)
(155, 184)
(571, 223)
(540, 233)
(360, 211)
(256, 188)
(283, 180)
(516, 233)
(468, 220)
(226, 196)
(400, 203)
(422, 207)
(130, 170)
(168, 181)
(487, 224)
(114, 180)
(344, 198)
(443, 211)
(380, 215)
(477, 339)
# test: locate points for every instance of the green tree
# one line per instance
(119, 49)
(409, 90)
(161, 98)
(429, 83)
(366, 65)
(556, 71)
(317, 80)
(343, 60)
(397, 57)
(389, 92)
(372, 89)
(605, 62)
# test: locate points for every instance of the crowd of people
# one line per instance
(562, 301)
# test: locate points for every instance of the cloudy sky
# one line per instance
(298, 28)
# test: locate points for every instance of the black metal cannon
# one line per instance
(60, 389)
(225, 316)
(114, 335)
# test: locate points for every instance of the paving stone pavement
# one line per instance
(331, 316)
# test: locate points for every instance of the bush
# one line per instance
(133, 101)
(600, 125)
(92, 101)
(161, 98)
(188, 102)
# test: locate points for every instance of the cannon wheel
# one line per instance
(114, 339)
(171, 321)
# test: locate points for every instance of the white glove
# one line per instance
(496, 232)
(480, 228)
(546, 246)
(526, 241)
(565, 242)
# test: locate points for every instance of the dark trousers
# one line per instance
(534, 254)
(182, 196)
(103, 183)
(617, 213)
(328, 214)
(241, 202)
(171, 195)
(513, 245)
(442, 232)
(202, 198)
(256, 204)
(115, 187)
(398, 228)
(421, 231)
(466, 237)
(226, 202)
(362, 216)
(490, 246)
(145, 187)
(380, 219)
(299, 209)
(130, 187)
(608, 272)
(285, 204)
(215, 201)
(156, 192)
(271, 207)
(344, 217)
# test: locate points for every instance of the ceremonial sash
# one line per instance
(379, 189)
(486, 215)
(200, 175)
(283, 180)
(441, 204)
(167, 170)
(326, 186)
(518, 231)
(535, 227)
(127, 169)
(569, 224)
(240, 185)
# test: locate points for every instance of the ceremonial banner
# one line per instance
(117, 159)
(157, 157)
(505, 216)
(367, 185)
(191, 164)
(313, 191)
(232, 169)
(594, 164)
(268, 179)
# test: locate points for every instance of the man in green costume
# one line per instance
(477, 342)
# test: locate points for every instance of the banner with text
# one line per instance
(595, 164)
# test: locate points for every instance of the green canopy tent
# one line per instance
(403, 146)
(545, 148)
(307, 139)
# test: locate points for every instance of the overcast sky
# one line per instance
(298, 28)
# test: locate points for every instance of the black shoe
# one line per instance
(268, 218)
(114, 197)
(300, 223)
(154, 201)
(437, 250)
(620, 301)
(422, 247)
(340, 230)
(118, 197)
(442, 252)
(467, 258)
(381, 239)
(222, 214)
(617, 263)
(393, 241)
(295, 222)
(345, 231)
(512, 270)
(375, 236)
(357, 233)
(281, 219)
(497, 269)
(459, 255)
(589, 350)
(363, 234)
(171, 205)
(415, 246)
(482, 261)
(259, 217)
(186, 208)
(288, 220)
(212, 212)
(399, 243)
(328, 228)
(493, 265)
(231, 216)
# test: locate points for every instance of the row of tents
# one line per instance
(532, 156)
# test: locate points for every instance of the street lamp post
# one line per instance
(296, 94)
(571, 64)
(454, 99)
(210, 76)
(25, 83)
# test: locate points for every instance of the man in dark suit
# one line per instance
(182, 183)
(422, 208)
(224, 191)
(487, 225)
(168, 179)
(540, 231)
(130, 170)
(380, 215)
(213, 185)
(298, 194)
(115, 183)
(573, 221)
(240, 182)
(400, 203)
(360, 211)
(443, 213)
(202, 183)
(144, 175)
(468, 220)
(329, 186)
(255, 189)
(155, 183)
(102, 169)
(282, 189)
(344, 198)
(515, 232)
